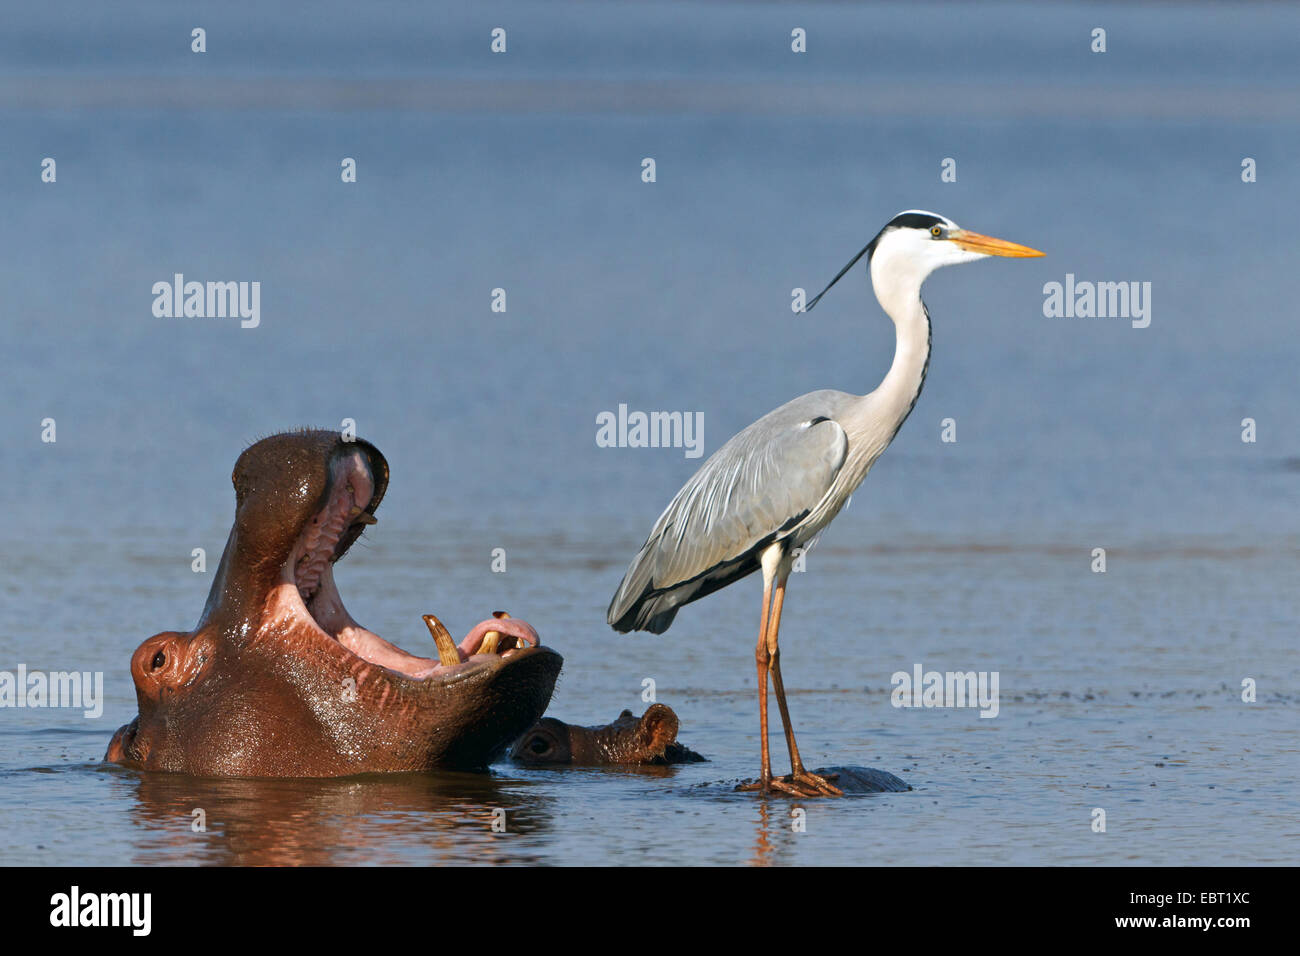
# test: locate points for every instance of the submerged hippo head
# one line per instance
(277, 679)
(649, 739)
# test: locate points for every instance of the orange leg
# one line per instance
(761, 659)
(800, 781)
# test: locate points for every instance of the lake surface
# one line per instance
(522, 171)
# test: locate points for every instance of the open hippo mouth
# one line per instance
(307, 593)
(278, 680)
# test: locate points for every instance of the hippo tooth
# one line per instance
(490, 641)
(447, 651)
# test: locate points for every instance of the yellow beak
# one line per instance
(976, 242)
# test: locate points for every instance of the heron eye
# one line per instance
(936, 231)
(158, 661)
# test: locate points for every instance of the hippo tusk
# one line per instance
(491, 639)
(447, 651)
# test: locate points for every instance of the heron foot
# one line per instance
(801, 783)
(804, 783)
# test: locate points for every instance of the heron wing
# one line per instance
(757, 488)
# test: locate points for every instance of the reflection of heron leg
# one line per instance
(805, 783)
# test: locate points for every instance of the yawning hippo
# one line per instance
(628, 740)
(277, 679)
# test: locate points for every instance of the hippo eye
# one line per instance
(538, 746)
(158, 661)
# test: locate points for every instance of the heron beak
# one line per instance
(987, 245)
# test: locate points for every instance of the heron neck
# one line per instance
(897, 394)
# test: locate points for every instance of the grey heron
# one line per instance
(772, 488)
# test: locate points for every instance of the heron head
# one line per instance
(931, 241)
(916, 242)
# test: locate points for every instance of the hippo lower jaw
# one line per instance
(323, 617)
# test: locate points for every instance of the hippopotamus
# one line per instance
(649, 739)
(278, 680)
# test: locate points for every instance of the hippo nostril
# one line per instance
(158, 661)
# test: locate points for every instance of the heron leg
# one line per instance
(774, 665)
(771, 559)
(802, 782)
(761, 660)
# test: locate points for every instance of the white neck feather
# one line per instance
(896, 278)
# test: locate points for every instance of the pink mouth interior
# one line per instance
(307, 584)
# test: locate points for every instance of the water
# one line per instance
(1118, 690)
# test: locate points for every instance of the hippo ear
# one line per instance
(658, 729)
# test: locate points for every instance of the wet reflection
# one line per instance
(367, 819)
(762, 841)
(774, 833)
(629, 772)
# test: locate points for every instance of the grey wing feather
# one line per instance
(755, 489)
